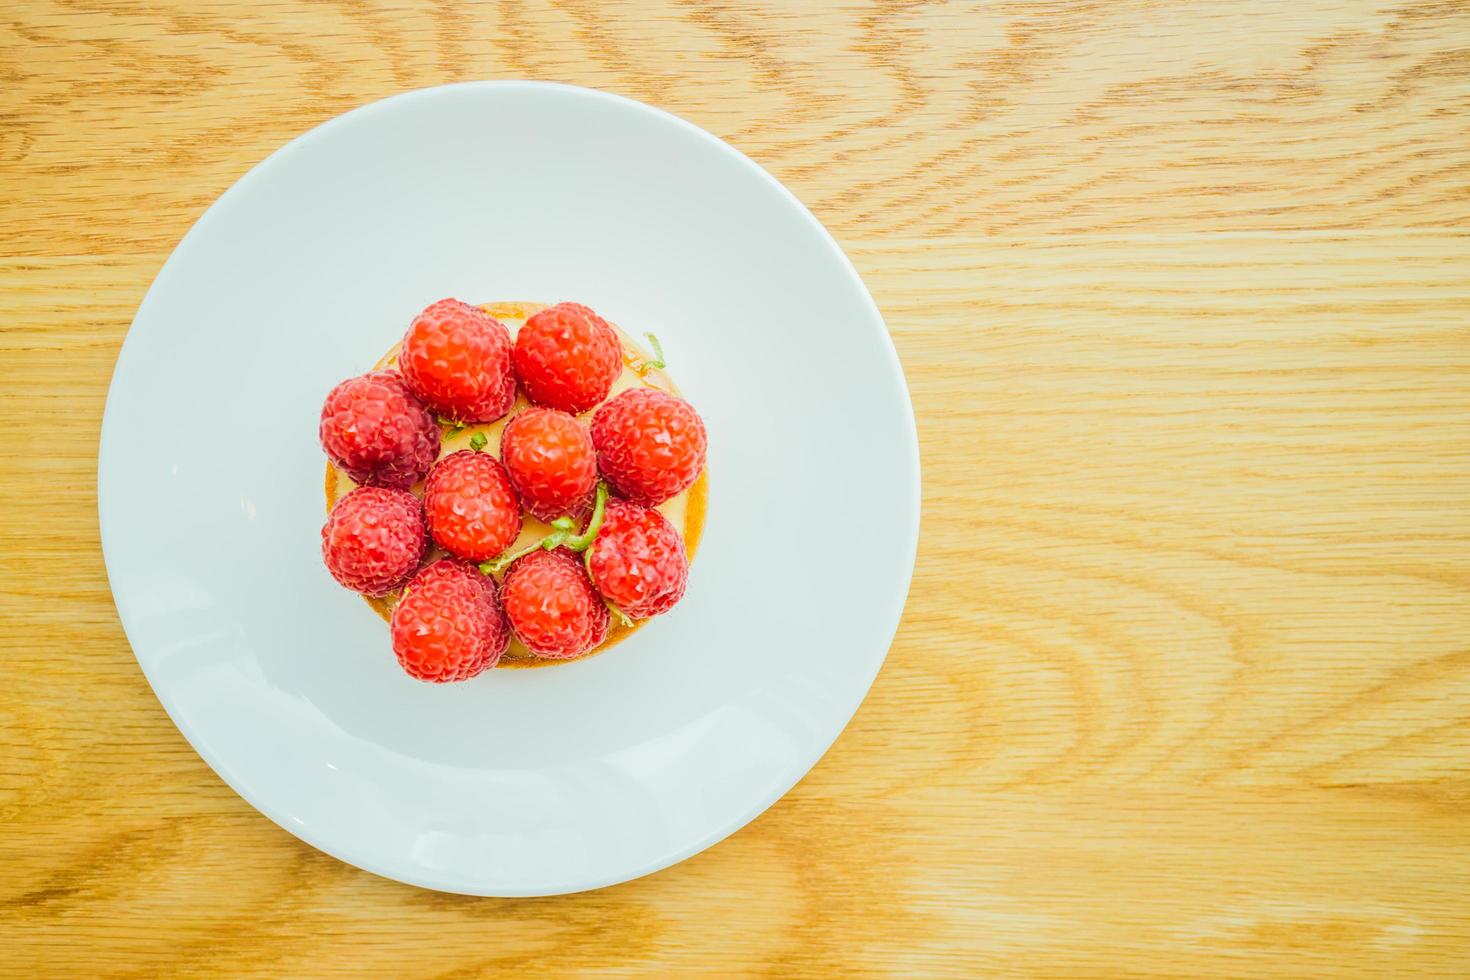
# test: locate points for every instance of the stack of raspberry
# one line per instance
(596, 483)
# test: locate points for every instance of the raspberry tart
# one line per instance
(569, 475)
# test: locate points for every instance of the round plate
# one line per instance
(527, 782)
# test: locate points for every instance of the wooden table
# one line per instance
(1183, 295)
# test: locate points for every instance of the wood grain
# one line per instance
(1183, 296)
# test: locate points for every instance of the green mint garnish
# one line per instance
(583, 541)
(658, 353)
(561, 536)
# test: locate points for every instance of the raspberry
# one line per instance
(638, 561)
(457, 359)
(471, 507)
(552, 606)
(650, 444)
(373, 539)
(550, 459)
(377, 432)
(449, 625)
(567, 357)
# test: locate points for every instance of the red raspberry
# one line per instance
(449, 625)
(456, 358)
(650, 444)
(471, 507)
(638, 561)
(550, 459)
(567, 357)
(376, 431)
(373, 539)
(552, 606)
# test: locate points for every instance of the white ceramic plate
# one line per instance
(525, 782)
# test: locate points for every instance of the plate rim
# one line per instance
(914, 504)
